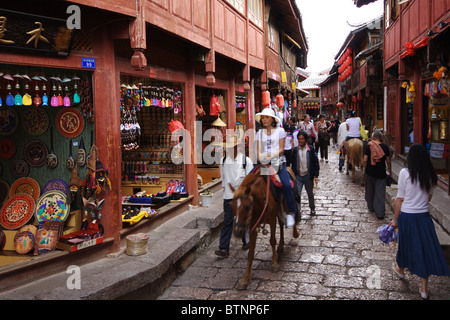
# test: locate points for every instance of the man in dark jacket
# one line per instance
(305, 166)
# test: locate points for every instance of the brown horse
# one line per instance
(355, 157)
(254, 204)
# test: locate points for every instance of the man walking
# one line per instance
(234, 166)
(376, 156)
(305, 166)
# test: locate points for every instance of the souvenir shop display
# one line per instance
(39, 199)
(47, 236)
(52, 158)
(35, 153)
(25, 185)
(149, 111)
(17, 211)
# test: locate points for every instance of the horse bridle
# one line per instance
(266, 203)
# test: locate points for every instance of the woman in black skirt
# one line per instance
(418, 246)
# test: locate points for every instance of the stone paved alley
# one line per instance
(337, 256)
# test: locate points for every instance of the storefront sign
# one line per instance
(88, 63)
(28, 32)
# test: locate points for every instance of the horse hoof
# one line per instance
(241, 285)
(296, 234)
(276, 268)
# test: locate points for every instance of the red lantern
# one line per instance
(265, 98)
(280, 100)
(295, 104)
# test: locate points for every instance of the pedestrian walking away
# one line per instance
(270, 149)
(234, 166)
(289, 144)
(418, 246)
(333, 130)
(342, 134)
(324, 138)
(376, 157)
(305, 166)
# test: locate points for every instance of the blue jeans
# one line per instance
(309, 185)
(227, 228)
(288, 193)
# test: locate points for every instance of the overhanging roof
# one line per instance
(360, 3)
(292, 21)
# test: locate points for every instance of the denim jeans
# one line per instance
(309, 185)
(288, 192)
(227, 228)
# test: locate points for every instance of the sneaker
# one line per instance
(222, 253)
(423, 295)
(290, 220)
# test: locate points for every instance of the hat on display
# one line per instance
(267, 112)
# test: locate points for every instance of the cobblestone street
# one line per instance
(337, 256)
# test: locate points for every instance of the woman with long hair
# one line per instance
(418, 246)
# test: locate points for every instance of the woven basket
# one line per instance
(137, 244)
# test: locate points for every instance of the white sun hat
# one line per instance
(267, 112)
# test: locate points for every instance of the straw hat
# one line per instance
(267, 112)
(230, 142)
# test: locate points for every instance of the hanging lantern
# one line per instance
(265, 98)
(280, 100)
(295, 104)
(354, 99)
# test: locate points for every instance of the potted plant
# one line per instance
(206, 198)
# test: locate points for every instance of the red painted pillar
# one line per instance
(190, 117)
(231, 105)
(107, 131)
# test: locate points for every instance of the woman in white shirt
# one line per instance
(418, 246)
(288, 145)
(271, 140)
(353, 126)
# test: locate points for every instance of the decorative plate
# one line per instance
(56, 184)
(9, 121)
(52, 205)
(20, 168)
(70, 122)
(35, 121)
(26, 185)
(7, 148)
(35, 153)
(17, 211)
